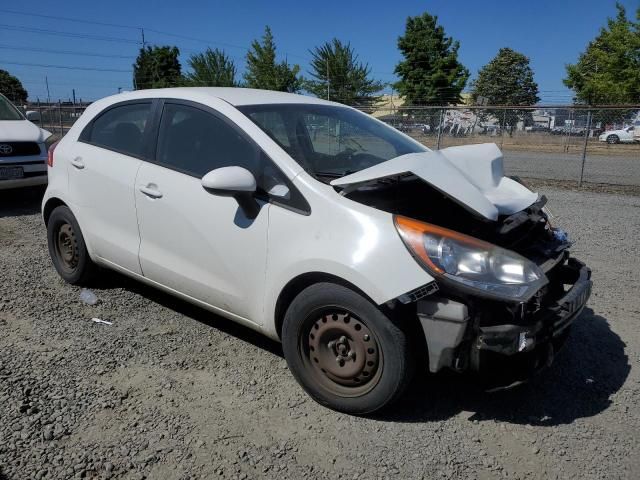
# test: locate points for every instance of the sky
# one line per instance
(551, 33)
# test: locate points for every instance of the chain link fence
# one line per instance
(568, 144)
(558, 144)
(55, 117)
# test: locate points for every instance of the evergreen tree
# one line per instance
(507, 80)
(430, 73)
(213, 68)
(339, 75)
(157, 67)
(263, 71)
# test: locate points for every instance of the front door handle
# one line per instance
(150, 191)
(78, 163)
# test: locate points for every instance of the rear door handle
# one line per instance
(150, 191)
(78, 163)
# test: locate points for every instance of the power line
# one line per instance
(68, 19)
(66, 67)
(159, 32)
(65, 52)
(45, 31)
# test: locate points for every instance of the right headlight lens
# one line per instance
(479, 265)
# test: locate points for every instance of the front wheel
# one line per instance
(344, 351)
(611, 139)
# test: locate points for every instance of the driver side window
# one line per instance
(195, 142)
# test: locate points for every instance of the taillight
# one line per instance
(50, 153)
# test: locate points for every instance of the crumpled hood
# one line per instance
(472, 175)
(21, 131)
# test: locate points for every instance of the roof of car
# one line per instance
(235, 96)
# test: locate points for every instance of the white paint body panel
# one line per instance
(21, 131)
(473, 175)
(342, 238)
(103, 191)
(201, 244)
(236, 179)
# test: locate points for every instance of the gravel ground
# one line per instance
(170, 391)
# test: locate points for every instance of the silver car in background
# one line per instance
(23, 149)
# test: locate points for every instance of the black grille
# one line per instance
(18, 149)
(418, 293)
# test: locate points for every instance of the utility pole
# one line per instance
(143, 41)
(584, 147)
(46, 81)
(328, 82)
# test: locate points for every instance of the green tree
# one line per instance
(264, 72)
(340, 76)
(430, 73)
(157, 67)
(213, 68)
(507, 80)
(608, 71)
(12, 88)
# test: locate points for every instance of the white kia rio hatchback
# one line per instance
(361, 250)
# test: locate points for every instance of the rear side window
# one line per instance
(195, 142)
(120, 128)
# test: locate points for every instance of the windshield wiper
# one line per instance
(333, 174)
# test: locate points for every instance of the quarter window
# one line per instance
(195, 142)
(120, 128)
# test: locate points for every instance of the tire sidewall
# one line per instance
(612, 139)
(60, 216)
(392, 341)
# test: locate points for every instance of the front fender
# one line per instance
(342, 238)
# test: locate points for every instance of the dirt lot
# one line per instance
(169, 391)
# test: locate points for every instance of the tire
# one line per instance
(611, 139)
(67, 248)
(344, 351)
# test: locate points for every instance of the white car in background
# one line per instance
(23, 149)
(624, 135)
(362, 251)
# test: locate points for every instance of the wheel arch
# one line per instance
(50, 205)
(298, 284)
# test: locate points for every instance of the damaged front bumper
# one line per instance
(500, 338)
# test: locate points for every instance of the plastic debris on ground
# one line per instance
(98, 320)
(88, 297)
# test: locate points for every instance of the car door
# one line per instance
(629, 134)
(192, 241)
(102, 171)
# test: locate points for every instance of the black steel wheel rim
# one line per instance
(66, 247)
(341, 352)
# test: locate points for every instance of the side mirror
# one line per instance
(33, 116)
(236, 182)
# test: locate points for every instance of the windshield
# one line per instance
(8, 111)
(330, 141)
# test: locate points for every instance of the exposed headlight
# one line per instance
(479, 265)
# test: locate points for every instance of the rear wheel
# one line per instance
(346, 353)
(67, 248)
(611, 139)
